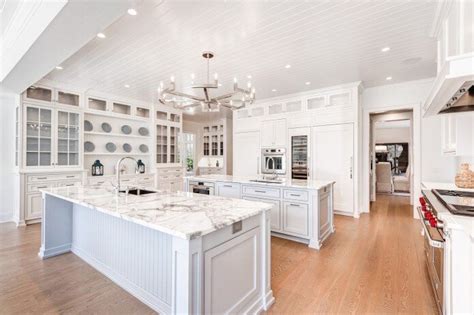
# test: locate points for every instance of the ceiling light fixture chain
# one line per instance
(237, 99)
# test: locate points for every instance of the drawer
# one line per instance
(48, 177)
(69, 184)
(299, 195)
(37, 187)
(261, 191)
(99, 180)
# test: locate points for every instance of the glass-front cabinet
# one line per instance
(161, 144)
(52, 137)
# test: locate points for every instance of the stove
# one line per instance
(457, 202)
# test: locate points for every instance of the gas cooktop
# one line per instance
(457, 202)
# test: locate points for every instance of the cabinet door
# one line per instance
(275, 220)
(295, 218)
(268, 133)
(333, 151)
(229, 190)
(279, 132)
(246, 161)
(38, 137)
(449, 134)
(34, 206)
(68, 98)
(39, 94)
(161, 144)
(68, 131)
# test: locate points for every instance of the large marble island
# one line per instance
(179, 253)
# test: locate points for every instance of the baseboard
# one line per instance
(145, 297)
(262, 304)
(50, 252)
(290, 237)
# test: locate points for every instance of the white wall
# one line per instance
(9, 179)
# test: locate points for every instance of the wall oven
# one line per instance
(274, 161)
(201, 188)
(434, 243)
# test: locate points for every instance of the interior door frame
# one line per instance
(416, 144)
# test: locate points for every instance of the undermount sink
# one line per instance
(267, 181)
(139, 192)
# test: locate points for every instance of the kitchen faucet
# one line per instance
(117, 170)
(275, 175)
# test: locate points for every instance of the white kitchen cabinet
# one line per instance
(230, 190)
(296, 218)
(52, 96)
(273, 133)
(332, 159)
(276, 217)
(246, 161)
(52, 137)
(457, 134)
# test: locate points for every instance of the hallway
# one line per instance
(371, 265)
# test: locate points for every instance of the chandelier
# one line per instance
(237, 99)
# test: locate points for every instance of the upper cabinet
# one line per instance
(273, 133)
(168, 126)
(458, 134)
(454, 32)
(47, 95)
(52, 137)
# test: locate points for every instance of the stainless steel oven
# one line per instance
(434, 249)
(274, 161)
(201, 188)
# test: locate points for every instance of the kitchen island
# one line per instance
(302, 210)
(178, 253)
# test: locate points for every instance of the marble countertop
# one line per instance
(292, 183)
(181, 214)
(451, 221)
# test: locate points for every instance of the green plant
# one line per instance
(189, 164)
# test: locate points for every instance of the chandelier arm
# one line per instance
(192, 97)
(223, 97)
(206, 94)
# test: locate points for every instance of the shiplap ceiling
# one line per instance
(325, 42)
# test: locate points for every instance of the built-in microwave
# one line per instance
(274, 161)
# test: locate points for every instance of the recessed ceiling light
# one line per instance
(249, 77)
(101, 35)
(307, 83)
(127, 85)
(59, 68)
(132, 11)
(388, 78)
(288, 66)
(274, 90)
(385, 49)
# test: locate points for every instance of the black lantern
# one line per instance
(141, 167)
(97, 168)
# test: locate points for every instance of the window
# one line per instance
(189, 148)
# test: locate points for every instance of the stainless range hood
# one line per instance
(461, 101)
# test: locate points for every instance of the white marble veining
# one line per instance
(453, 221)
(290, 183)
(181, 214)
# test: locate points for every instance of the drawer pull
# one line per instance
(260, 191)
(68, 185)
(295, 205)
(295, 195)
(228, 186)
(42, 177)
(41, 187)
(70, 176)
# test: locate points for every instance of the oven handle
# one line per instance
(432, 242)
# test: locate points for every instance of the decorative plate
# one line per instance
(89, 146)
(126, 129)
(143, 131)
(88, 125)
(143, 148)
(127, 147)
(111, 147)
(106, 127)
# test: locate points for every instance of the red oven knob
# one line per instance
(428, 215)
(422, 201)
(433, 222)
(423, 208)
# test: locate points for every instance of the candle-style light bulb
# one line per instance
(161, 85)
(249, 84)
(172, 78)
(215, 76)
(235, 80)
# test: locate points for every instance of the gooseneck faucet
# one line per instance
(117, 170)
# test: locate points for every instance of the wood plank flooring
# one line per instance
(373, 265)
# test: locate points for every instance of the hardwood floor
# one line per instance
(371, 265)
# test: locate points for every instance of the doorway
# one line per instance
(391, 153)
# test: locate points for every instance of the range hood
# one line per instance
(461, 101)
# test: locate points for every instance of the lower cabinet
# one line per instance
(229, 190)
(295, 218)
(275, 221)
(34, 206)
(242, 286)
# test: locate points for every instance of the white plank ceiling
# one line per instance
(325, 42)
